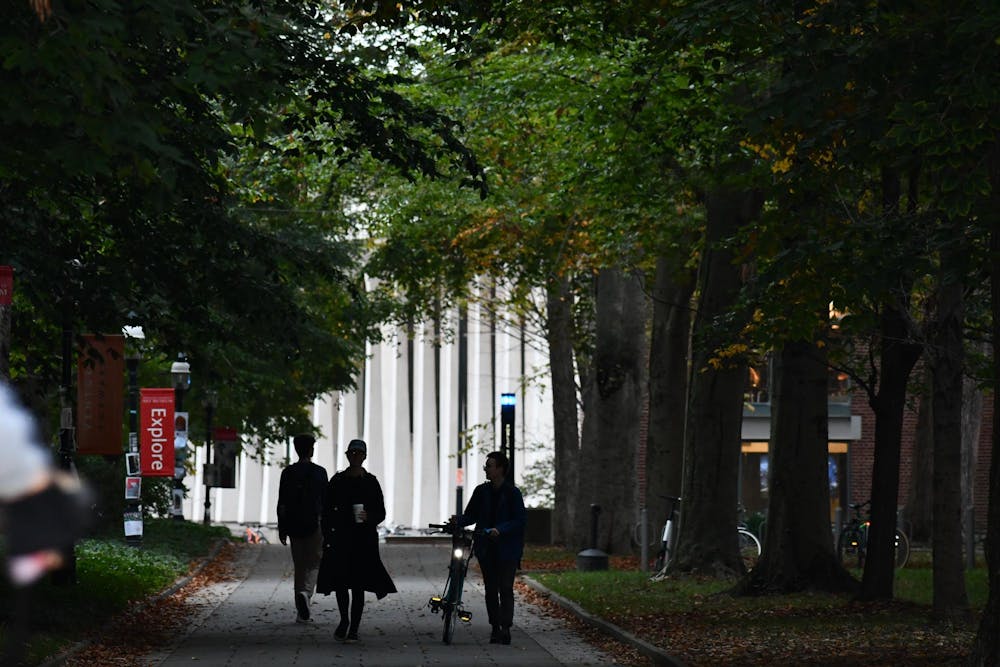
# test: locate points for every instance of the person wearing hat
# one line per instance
(300, 504)
(353, 509)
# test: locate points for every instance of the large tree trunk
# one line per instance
(897, 355)
(668, 372)
(798, 550)
(897, 360)
(946, 359)
(565, 424)
(972, 421)
(707, 542)
(986, 649)
(611, 418)
(920, 501)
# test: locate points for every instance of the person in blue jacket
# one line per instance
(497, 509)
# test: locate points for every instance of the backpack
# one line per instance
(299, 513)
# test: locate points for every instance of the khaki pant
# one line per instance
(306, 554)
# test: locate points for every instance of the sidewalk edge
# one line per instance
(654, 653)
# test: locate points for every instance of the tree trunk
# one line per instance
(972, 421)
(611, 419)
(946, 360)
(668, 372)
(798, 550)
(986, 648)
(707, 542)
(920, 503)
(565, 425)
(898, 355)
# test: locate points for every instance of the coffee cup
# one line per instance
(357, 512)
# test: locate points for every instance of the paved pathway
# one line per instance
(251, 620)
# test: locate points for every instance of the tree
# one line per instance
(918, 508)
(565, 203)
(566, 448)
(798, 551)
(612, 414)
(707, 542)
(114, 172)
(668, 384)
(946, 355)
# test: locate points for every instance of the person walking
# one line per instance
(497, 509)
(300, 505)
(43, 512)
(353, 509)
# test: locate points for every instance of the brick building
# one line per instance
(851, 448)
(862, 450)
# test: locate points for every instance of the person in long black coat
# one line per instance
(351, 560)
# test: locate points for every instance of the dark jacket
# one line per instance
(510, 518)
(300, 499)
(350, 550)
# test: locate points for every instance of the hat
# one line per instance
(357, 444)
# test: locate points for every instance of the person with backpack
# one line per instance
(300, 506)
(497, 509)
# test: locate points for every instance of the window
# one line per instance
(759, 381)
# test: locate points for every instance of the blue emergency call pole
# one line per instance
(508, 403)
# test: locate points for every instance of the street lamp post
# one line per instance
(180, 372)
(508, 405)
(210, 398)
(133, 508)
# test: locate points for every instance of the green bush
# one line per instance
(116, 573)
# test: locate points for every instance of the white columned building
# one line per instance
(406, 406)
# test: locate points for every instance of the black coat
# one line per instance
(350, 551)
(300, 499)
(509, 516)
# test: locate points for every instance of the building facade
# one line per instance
(851, 448)
(428, 404)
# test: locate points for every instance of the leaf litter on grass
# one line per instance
(148, 625)
(803, 629)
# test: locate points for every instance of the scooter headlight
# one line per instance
(458, 553)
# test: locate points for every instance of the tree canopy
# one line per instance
(128, 198)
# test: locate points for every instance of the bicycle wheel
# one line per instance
(661, 559)
(851, 547)
(749, 548)
(449, 623)
(452, 596)
(666, 551)
(902, 548)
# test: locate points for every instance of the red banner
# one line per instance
(156, 432)
(6, 285)
(100, 395)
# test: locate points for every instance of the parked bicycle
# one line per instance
(666, 551)
(852, 544)
(749, 545)
(254, 535)
(449, 603)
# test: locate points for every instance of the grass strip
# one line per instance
(699, 622)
